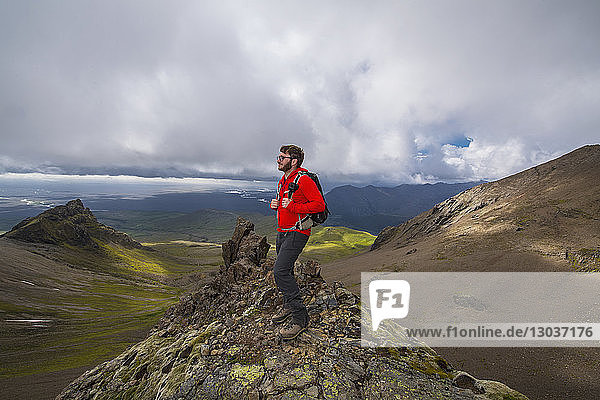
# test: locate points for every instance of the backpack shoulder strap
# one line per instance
(299, 175)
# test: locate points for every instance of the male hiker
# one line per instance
(291, 239)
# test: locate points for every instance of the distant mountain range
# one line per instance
(367, 208)
(372, 208)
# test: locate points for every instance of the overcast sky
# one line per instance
(382, 92)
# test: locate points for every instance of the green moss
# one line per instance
(522, 221)
(233, 351)
(128, 373)
(97, 314)
(205, 334)
(394, 267)
(585, 260)
(61, 359)
(176, 378)
(96, 323)
(428, 364)
(395, 353)
(130, 393)
(590, 252)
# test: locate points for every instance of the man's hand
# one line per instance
(274, 204)
(285, 202)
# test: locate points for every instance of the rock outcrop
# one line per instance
(72, 224)
(220, 343)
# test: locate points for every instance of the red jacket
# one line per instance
(307, 199)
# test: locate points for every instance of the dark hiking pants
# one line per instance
(289, 245)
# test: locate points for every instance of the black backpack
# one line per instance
(314, 218)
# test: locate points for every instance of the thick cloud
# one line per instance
(382, 92)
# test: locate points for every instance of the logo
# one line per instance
(389, 300)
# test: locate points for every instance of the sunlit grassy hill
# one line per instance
(333, 242)
(543, 219)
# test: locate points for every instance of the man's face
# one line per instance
(284, 162)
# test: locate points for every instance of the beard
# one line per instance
(285, 167)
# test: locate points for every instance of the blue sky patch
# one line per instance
(461, 142)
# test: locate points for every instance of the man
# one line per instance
(291, 239)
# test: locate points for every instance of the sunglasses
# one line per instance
(281, 158)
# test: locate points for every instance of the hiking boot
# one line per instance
(292, 330)
(281, 315)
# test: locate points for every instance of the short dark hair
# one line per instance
(294, 151)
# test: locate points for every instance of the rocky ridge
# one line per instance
(219, 343)
(71, 224)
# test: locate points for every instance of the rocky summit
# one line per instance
(72, 224)
(220, 343)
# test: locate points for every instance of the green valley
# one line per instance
(68, 307)
(77, 292)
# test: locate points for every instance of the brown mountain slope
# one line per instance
(546, 218)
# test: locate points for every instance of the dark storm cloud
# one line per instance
(371, 91)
